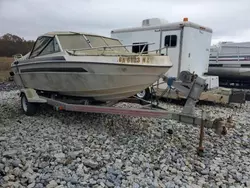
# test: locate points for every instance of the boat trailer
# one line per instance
(189, 84)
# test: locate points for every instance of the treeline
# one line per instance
(12, 44)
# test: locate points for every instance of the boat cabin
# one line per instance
(55, 42)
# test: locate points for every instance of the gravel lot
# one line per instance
(65, 149)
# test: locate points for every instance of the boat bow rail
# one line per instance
(17, 56)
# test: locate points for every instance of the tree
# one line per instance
(13, 44)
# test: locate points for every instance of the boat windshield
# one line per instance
(98, 41)
(73, 42)
(69, 42)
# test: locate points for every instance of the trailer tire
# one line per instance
(28, 108)
(144, 94)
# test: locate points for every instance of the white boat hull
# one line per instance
(100, 81)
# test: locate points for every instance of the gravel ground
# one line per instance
(66, 149)
(8, 86)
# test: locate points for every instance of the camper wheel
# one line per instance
(144, 94)
(27, 107)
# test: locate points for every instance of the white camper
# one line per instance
(188, 44)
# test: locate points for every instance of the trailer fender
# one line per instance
(32, 96)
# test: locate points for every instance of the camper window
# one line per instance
(138, 47)
(170, 40)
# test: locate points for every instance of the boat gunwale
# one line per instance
(89, 62)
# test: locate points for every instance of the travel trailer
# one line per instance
(186, 43)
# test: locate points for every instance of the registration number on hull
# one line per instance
(133, 59)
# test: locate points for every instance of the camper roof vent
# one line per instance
(153, 21)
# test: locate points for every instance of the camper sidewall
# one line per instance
(191, 52)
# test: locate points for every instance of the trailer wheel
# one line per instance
(144, 94)
(28, 108)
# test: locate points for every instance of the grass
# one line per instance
(5, 63)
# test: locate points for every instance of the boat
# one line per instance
(87, 65)
(231, 62)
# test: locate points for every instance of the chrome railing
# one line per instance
(124, 46)
(237, 53)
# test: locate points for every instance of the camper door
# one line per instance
(171, 39)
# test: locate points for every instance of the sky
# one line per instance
(229, 19)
